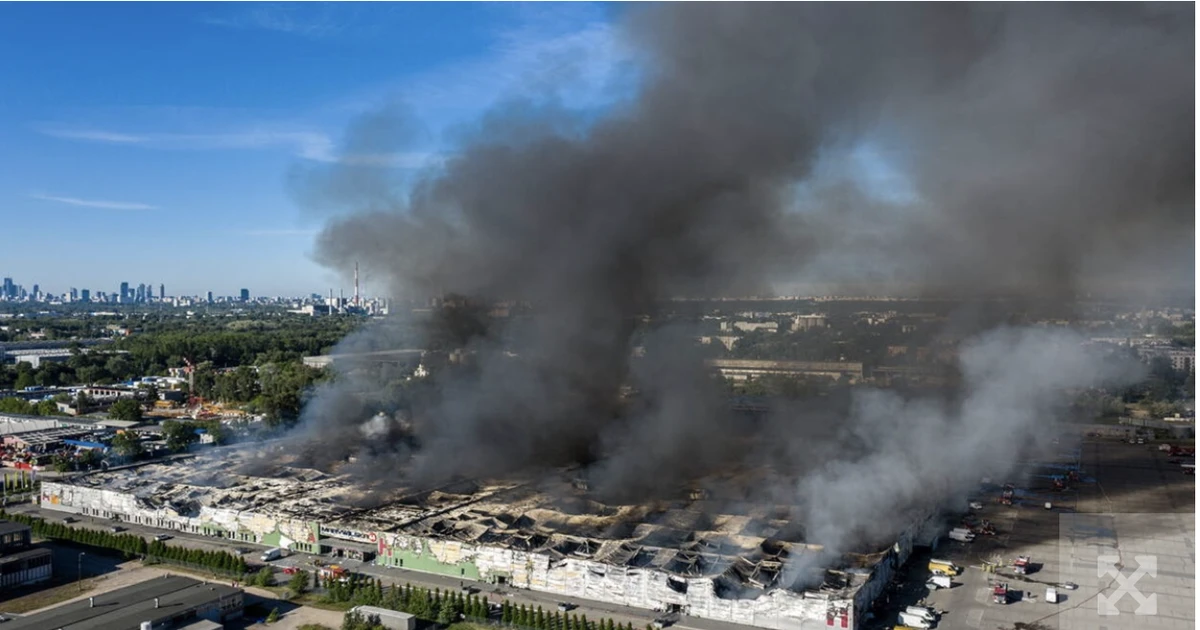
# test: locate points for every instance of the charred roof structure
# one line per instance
(708, 552)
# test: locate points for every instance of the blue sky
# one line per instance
(151, 142)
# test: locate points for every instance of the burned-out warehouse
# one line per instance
(704, 554)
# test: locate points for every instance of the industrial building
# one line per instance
(20, 562)
(397, 357)
(743, 369)
(163, 603)
(711, 555)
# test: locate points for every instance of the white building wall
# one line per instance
(625, 586)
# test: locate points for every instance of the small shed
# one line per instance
(390, 619)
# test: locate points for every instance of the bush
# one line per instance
(265, 577)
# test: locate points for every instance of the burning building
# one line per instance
(709, 554)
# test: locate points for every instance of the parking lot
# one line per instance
(1129, 505)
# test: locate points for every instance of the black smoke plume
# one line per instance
(1048, 151)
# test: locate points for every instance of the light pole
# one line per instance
(80, 580)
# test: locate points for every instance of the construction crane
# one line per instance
(193, 400)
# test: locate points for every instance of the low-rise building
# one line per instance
(20, 562)
(168, 602)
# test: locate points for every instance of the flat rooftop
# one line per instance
(126, 608)
(713, 532)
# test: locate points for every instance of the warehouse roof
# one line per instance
(127, 608)
(8, 527)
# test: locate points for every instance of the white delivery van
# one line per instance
(925, 613)
(271, 554)
(914, 621)
(1051, 595)
(938, 581)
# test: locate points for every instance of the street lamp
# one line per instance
(80, 580)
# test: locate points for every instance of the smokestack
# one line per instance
(355, 285)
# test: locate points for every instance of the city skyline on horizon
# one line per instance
(192, 171)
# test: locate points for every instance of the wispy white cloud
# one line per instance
(570, 52)
(310, 145)
(280, 232)
(95, 135)
(94, 203)
(305, 19)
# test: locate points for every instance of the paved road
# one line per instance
(593, 609)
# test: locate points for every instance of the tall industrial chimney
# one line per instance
(356, 285)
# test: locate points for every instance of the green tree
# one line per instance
(178, 435)
(126, 409)
(83, 402)
(15, 405)
(126, 444)
(265, 577)
(299, 583)
(47, 408)
(151, 395)
(273, 616)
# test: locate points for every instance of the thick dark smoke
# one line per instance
(1048, 148)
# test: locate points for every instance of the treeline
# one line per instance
(157, 345)
(133, 545)
(231, 348)
(22, 406)
(447, 607)
(277, 390)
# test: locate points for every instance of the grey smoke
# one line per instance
(903, 460)
(1049, 149)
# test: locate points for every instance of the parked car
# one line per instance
(162, 537)
(565, 606)
(117, 529)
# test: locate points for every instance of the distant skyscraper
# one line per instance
(209, 296)
(162, 291)
(9, 289)
(37, 292)
(124, 295)
(73, 295)
(245, 295)
(85, 295)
